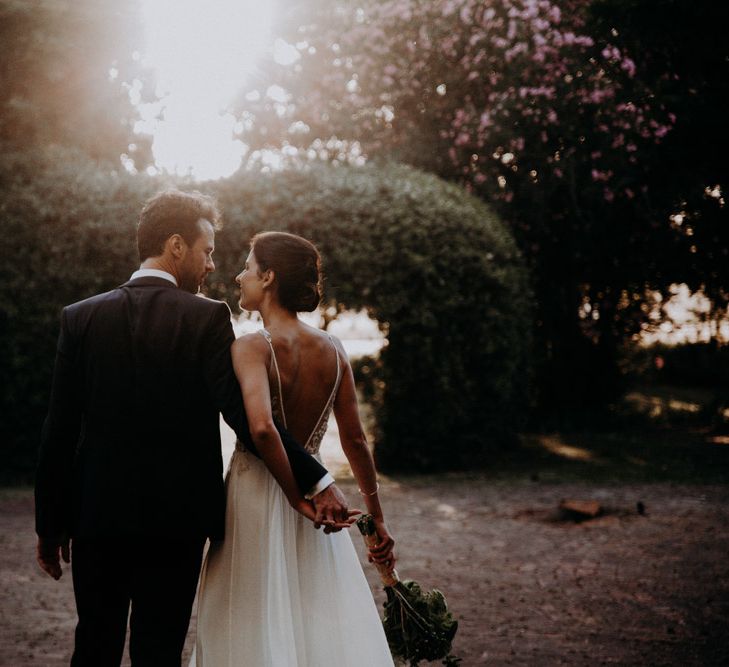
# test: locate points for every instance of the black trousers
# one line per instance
(156, 577)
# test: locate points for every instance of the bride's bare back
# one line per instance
(308, 364)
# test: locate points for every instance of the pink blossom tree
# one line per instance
(532, 105)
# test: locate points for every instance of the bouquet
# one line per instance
(418, 625)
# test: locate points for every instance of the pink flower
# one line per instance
(629, 66)
(462, 139)
(601, 175)
(448, 7)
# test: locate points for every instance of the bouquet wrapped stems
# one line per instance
(365, 523)
(418, 625)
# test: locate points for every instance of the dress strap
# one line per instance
(267, 336)
(339, 370)
(328, 405)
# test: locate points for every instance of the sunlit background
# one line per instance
(622, 222)
(201, 55)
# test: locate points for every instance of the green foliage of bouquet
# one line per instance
(417, 624)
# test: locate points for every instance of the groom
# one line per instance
(130, 466)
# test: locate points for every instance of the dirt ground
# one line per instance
(624, 588)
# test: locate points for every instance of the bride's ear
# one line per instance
(269, 277)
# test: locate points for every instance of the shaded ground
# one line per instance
(528, 589)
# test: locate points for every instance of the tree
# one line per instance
(67, 77)
(537, 108)
(681, 52)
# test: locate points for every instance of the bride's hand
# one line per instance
(382, 552)
(306, 509)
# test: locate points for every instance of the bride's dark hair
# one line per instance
(297, 266)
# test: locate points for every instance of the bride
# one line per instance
(277, 592)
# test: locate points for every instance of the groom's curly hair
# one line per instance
(173, 212)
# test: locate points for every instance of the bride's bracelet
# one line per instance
(374, 493)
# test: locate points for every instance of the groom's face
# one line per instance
(198, 260)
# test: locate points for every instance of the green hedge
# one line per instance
(433, 265)
(439, 272)
(68, 231)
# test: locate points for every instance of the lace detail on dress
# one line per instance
(313, 442)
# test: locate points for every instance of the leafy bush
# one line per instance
(437, 270)
(433, 265)
(68, 231)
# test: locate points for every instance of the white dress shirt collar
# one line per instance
(153, 273)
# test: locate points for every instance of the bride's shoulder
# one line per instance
(250, 344)
(319, 335)
(338, 344)
(326, 340)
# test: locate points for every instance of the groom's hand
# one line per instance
(49, 554)
(332, 511)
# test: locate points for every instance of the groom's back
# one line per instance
(140, 351)
(149, 456)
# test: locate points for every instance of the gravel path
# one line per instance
(528, 589)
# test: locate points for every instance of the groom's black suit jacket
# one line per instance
(131, 444)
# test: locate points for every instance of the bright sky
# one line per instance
(202, 53)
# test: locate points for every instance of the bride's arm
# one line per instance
(357, 451)
(250, 354)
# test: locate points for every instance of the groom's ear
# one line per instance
(176, 245)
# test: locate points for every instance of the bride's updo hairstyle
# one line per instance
(297, 266)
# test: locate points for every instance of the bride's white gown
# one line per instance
(277, 592)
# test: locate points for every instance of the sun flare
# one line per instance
(201, 53)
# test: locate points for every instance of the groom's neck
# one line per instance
(159, 264)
